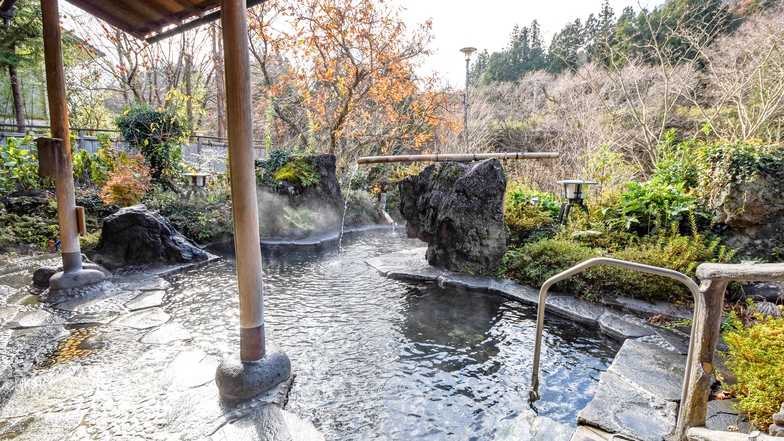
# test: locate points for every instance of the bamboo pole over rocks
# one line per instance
(457, 157)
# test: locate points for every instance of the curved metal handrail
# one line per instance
(695, 290)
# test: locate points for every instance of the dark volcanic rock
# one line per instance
(135, 236)
(458, 210)
(281, 204)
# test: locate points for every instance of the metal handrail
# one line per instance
(695, 290)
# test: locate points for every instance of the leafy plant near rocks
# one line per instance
(18, 164)
(533, 263)
(94, 168)
(284, 165)
(298, 171)
(529, 214)
(206, 219)
(127, 183)
(756, 357)
(645, 206)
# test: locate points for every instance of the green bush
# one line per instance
(200, 219)
(361, 208)
(529, 214)
(157, 134)
(645, 206)
(756, 357)
(18, 157)
(298, 171)
(534, 263)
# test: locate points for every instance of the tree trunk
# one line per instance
(17, 95)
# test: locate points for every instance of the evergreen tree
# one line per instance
(21, 44)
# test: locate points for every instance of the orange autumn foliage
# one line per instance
(342, 73)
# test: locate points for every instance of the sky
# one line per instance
(487, 24)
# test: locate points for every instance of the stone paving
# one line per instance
(111, 364)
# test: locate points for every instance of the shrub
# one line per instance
(199, 219)
(157, 134)
(127, 184)
(298, 171)
(302, 217)
(645, 206)
(18, 164)
(756, 357)
(361, 208)
(529, 214)
(536, 262)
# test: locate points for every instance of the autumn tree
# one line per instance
(340, 74)
(173, 74)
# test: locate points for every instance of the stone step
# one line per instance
(637, 396)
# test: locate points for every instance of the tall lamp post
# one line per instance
(467, 51)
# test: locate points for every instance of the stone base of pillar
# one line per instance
(75, 279)
(240, 380)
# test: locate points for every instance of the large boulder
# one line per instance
(750, 204)
(291, 209)
(458, 210)
(135, 236)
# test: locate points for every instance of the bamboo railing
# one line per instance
(457, 157)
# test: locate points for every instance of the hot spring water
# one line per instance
(375, 357)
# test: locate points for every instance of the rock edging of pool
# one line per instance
(616, 317)
(638, 395)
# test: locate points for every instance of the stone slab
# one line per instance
(579, 310)
(105, 297)
(268, 423)
(623, 409)
(644, 308)
(723, 416)
(153, 283)
(458, 280)
(668, 340)
(35, 318)
(623, 326)
(587, 433)
(7, 313)
(168, 333)
(650, 368)
(144, 319)
(703, 434)
(146, 299)
(511, 289)
(417, 275)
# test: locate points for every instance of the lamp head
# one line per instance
(468, 51)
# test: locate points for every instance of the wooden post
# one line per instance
(705, 335)
(243, 179)
(58, 114)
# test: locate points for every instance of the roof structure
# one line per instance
(154, 19)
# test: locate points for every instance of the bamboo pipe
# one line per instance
(458, 157)
(58, 114)
(243, 179)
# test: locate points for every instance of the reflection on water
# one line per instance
(379, 358)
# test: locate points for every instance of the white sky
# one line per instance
(487, 24)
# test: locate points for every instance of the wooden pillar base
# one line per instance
(252, 346)
(72, 262)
